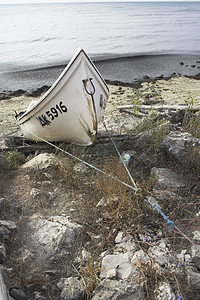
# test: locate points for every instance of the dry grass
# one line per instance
(103, 206)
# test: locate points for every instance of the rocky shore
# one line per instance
(172, 91)
(69, 233)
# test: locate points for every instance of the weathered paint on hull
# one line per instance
(67, 112)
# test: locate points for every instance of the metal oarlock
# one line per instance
(91, 94)
(85, 86)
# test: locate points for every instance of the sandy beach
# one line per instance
(18, 188)
(176, 90)
(163, 79)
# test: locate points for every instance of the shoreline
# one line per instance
(167, 90)
(131, 70)
(172, 91)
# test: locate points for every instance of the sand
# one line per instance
(178, 90)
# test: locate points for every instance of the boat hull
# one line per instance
(71, 109)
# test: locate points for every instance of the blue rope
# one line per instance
(77, 158)
(169, 225)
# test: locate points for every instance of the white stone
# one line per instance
(41, 161)
(166, 178)
(52, 234)
(124, 243)
(112, 273)
(141, 257)
(80, 168)
(119, 238)
(9, 224)
(188, 258)
(195, 251)
(125, 270)
(73, 289)
(165, 292)
(194, 279)
(118, 289)
(113, 261)
(196, 235)
(159, 254)
(180, 146)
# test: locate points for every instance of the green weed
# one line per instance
(15, 158)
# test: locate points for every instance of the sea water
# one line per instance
(33, 35)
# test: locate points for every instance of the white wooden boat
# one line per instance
(71, 109)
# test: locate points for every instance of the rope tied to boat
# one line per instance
(79, 159)
(122, 160)
(169, 225)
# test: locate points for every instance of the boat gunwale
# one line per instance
(69, 65)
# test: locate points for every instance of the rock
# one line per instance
(177, 118)
(4, 233)
(125, 270)
(140, 256)
(193, 279)
(80, 168)
(124, 243)
(3, 162)
(4, 96)
(165, 292)
(6, 228)
(160, 254)
(195, 251)
(17, 294)
(184, 257)
(118, 290)
(196, 235)
(41, 162)
(120, 237)
(8, 224)
(120, 262)
(52, 234)
(111, 274)
(72, 289)
(166, 178)
(181, 146)
(17, 93)
(39, 91)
